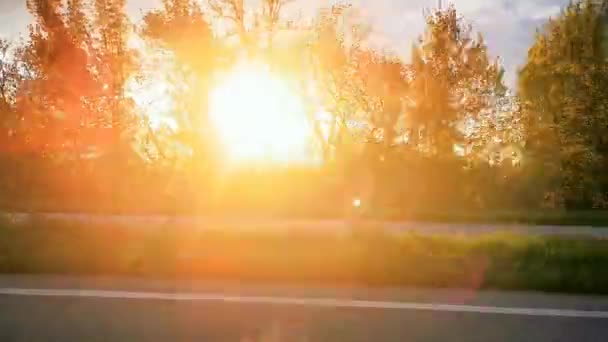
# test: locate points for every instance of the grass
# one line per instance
(365, 257)
(560, 217)
(596, 218)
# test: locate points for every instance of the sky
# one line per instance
(507, 25)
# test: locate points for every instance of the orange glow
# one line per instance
(258, 118)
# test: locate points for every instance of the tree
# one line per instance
(10, 80)
(11, 133)
(453, 79)
(60, 78)
(271, 15)
(254, 28)
(9, 83)
(563, 86)
(180, 28)
(234, 12)
(115, 62)
(78, 23)
(339, 87)
(360, 91)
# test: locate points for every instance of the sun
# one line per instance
(258, 118)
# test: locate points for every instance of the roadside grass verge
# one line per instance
(364, 257)
(553, 217)
(556, 217)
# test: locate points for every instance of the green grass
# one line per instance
(366, 258)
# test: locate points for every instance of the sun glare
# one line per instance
(258, 118)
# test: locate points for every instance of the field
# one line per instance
(363, 257)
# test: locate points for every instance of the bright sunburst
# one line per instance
(258, 118)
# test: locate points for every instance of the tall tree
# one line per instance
(360, 91)
(254, 27)
(60, 75)
(452, 79)
(563, 86)
(181, 29)
(9, 80)
(234, 13)
(339, 82)
(116, 61)
(271, 15)
(77, 22)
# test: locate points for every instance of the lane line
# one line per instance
(302, 301)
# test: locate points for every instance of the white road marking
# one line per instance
(302, 301)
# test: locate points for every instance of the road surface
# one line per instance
(329, 226)
(54, 308)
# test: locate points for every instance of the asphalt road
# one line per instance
(328, 226)
(53, 308)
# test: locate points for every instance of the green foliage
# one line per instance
(563, 87)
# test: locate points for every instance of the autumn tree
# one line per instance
(234, 13)
(423, 107)
(181, 30)
(74, 101)
(11, 130)
(60, 77)
(250, 25)
(10, 81)
(453, 79)
(115, 61)
(563, 85)
(79, 26)
(359, 90)
(271, 16)
(338, 86)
